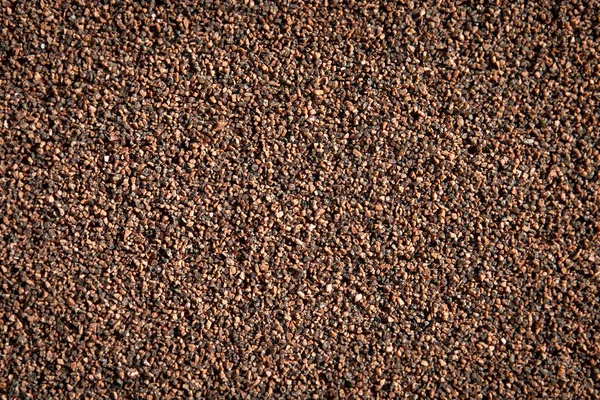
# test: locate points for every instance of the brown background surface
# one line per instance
(295, 200)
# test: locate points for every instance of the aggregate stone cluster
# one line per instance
(308, 199)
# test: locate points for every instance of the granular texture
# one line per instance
(276, 199)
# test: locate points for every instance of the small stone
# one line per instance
(219, 126)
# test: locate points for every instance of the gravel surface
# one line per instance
(337, 199)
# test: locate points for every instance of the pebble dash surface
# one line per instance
(316, 199)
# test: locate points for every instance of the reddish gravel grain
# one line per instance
(336, 199)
